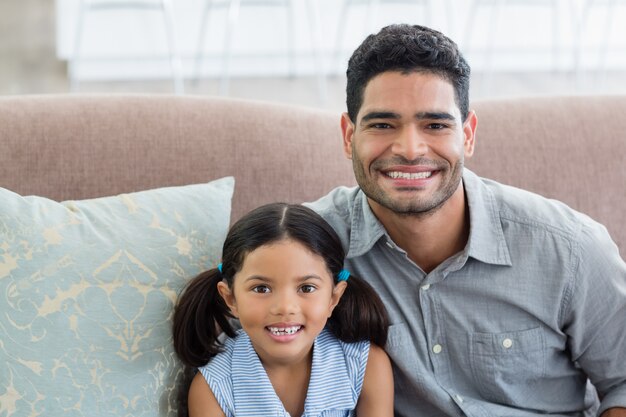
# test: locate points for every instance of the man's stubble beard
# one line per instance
(416, 207)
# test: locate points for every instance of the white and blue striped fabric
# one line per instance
(242, 387)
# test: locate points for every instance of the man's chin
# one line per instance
(406, 203)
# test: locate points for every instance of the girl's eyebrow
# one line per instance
(307, 277)
(257, 278)
(268, 279)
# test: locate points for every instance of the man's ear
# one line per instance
(228, 296)
(469, 133)
(347, 131)
(338, 291)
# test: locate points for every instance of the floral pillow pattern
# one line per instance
(86, 296)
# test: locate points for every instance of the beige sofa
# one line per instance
(78, 147)
(73, 147)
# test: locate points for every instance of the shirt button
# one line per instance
(425, 287)
(458, 398)
(507, 343)
(390, 244)
(437, 349)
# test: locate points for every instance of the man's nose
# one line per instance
(410, 144)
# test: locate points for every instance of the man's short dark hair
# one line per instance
(406, 49)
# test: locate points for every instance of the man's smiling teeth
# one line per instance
(281, 331)
(409, 175)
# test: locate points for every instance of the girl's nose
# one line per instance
(285, 304)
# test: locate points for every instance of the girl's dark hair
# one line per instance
(201, 314)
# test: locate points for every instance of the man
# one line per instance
(502, 303)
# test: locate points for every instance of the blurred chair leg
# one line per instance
(341, 26)
(231, 26)
(555, 35)
(316, 42)
(450, 18)
(175, 61)
(289, 9)
(469, 26)
(578, 46)
(372, 11)
(204, 24)
(76, 53)
(428, 12)
(496, 11)
(606, 39)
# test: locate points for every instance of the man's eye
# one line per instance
(437, 126)
(307, 288)
(261, 289)
(380, 126)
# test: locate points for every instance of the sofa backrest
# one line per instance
(572, 149)
(75, 147)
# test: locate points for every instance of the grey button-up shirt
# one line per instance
(515, 324)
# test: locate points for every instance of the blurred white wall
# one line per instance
(131, 44)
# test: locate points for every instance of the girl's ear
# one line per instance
(228, 296)
(338, 291)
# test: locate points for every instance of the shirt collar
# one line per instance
(320, 396)
(247, 367)
(248, 371)
(365, 229)
(486, 242)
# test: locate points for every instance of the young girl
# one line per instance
(304, 348)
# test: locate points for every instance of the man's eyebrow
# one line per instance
(379, 115)
(427, 115)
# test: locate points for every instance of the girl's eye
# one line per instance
(307, 288)
(261, 289)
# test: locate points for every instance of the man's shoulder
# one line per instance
(337, 206)
(532, 210)
(338, 198)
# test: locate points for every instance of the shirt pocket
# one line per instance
(405, 359)
(505, 364)
(399, 345)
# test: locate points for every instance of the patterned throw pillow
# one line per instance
(86, 296)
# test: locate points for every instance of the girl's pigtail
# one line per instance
(360, 314)
(199, 317)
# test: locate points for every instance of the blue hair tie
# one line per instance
(219, 267)
(343, 275)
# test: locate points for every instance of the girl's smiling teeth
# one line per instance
(408, 175)
(282, 331)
